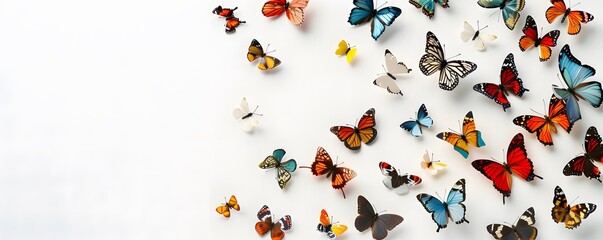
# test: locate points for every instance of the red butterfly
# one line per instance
(232, 23)
(365, 132)
(323, 164)
(517, 163)
(584, 163)
(294, 9)
(575, 17)
(544, 126)
(531, 39)
(224, 12)
(510, 81)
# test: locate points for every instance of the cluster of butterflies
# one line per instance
(563, 111)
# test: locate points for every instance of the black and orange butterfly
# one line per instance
(571, 216)
(256, 51)
(517, 163)
(323, 164)
(585, 162)
(231, 204)
(470, 136)
(574, 17)
(224, 12)
(232, 23)
(531, 39)
(543, 126)
(364, 132)
(509, 81)
(266, 225)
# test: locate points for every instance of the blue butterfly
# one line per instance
(574, 74)
(414, 126)
(510, 9)
(453, 208)
(365, 12)
(428, 6)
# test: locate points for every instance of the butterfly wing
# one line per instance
(295, 12)
(455, 208)
(509, 77)
(366, 127)
(434, 55)
(269, 162)
(324, 218)
(233, 203)
(549, 40)
(348, 136)
(277, 229)
(385, 223)
(525, 225)
(493, 92)
(342, 48)
(436, 208)
(363, 12)
(388, 83)
(560, 208)
(553, 12)
(274, 8)
(558, 115)
(338, 229)
(242, 110)
(456, 141)
(574, 20)
(341, 176)
(592, 142)
(392, 64)
(413, 127)
(511, 11)
(530, 31)
(265, 217)
(583, 163)
(577, 213)
(455, 69)
(323, 164)
(384, 17)
(405, 182)
(496, 172)
(426, 6)
(390, 174)
(255, 51)
(517, 159)
(364, 220)
(501, 231)
(468, 32)
(250, 123)
(351, 54)
(224, 210)
(423, 117)
(282, 177)
(473, 136)
(268, 62)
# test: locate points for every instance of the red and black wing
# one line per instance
(496, 172)
(584, 164)
(494, 92)
(509, 77)
(592, 143)
(518, 161)
(323, 164)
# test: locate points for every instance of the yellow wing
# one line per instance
(351, 54)
(342, 48)
(224, 210)
(268, 62)
(233, 203)
(339, 229)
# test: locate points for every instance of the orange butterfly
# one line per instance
(294, 9)
(323, 164)
(544, 125)
(470, 136)
(266, 225)
(574, 17)
(364, 132)
(231, 204)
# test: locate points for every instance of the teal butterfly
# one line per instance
(283, 169)
(510, 9)
(428, 6)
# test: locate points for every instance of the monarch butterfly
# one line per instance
(364, 132)
(574, 17)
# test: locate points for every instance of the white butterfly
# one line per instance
(242, 113)
(479, 40)
(392, 68)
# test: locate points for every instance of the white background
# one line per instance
(116, 119)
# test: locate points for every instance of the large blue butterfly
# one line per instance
(453, 208)
(414, 126)
(428, 6)
(510, 9)
(574, 74)
(365, 12)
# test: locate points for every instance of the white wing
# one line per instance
(388, 83)
(392, 64)
(250, 123)
(479, 44)
(242, 110)
(387, 181)
(467, 32)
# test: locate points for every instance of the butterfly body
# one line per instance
(379, 223)
(470, 136)
(283, 169)
(584, 164)
(365, 12)
(224, 209)
(266, 225)
(452, 208)
(364, 132)
(572, 216)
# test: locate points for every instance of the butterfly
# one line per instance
(323, 164)
(510, 9)
(345, 49)
(294, 9)
(283, 169)
(365, 12)
(414, 126)
(453, 208)
(470, 136)
(585, 162)
(517, 163)
(431, 166)
(392, 68)
(332, 230)
(365, 131)
(574, 74)
(266, 225)
(523, 230)
(479, 40)
(543, 126)
(571, 216)
(428, 6)
(243, 113)
(450, 71)
(509, 81)
(232, 23)
(224, 12)
(394, 180)
(256, 51)
(575, 17)
(530, 39)
(231, 204)
(380, 223)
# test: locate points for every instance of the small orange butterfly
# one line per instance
(231, 204)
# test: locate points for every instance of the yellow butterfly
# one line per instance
(225, 209)
(332, 230)
(256, 51)
(345, 49)
(431, 166)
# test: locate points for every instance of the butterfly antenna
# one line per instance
(384, 69)
(439, 195)
(492, 14)
(256, 108)
(572, 6)
(537, 112)
(573, 200)
(381, 5)
(453, 57)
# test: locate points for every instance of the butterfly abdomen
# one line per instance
(475, 35)
(443, 64)
(392, 76)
